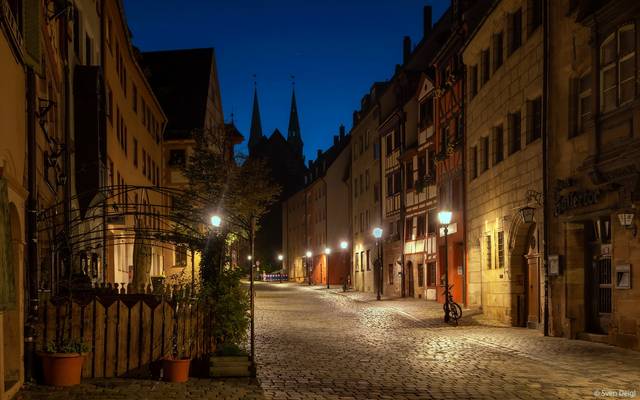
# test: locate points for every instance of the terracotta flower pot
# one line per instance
(62, 369)
(175, 370)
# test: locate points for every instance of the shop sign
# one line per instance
(576, 199)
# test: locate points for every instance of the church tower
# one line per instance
(256, 125)
(293, 133)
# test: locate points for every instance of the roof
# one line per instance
(181, 80)
(233, 133)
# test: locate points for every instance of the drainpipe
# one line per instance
(464, 190)
(402, 210)
(545, 158)
(103, 126)
(67, 145)
(32, 230)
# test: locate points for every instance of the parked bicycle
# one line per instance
(451, 308)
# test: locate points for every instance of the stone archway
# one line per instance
(524, 273)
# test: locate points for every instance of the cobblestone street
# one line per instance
(314, 343)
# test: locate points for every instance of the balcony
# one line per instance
(13, 28)
(426, 245)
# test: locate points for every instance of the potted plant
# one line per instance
(175, 366)
(62, 362)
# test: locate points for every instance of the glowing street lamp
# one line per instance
(280, 257)
(249, 257)
(216, 221)
(327, 251)
(307, 261)
(444, 217)
(344, 245)
(377, 233)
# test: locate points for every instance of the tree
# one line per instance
(239, 189)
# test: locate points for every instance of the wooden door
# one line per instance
(533, 291)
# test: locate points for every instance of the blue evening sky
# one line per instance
(335, 49)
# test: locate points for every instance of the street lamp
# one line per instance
(445, 219)
(344, 245)
(327, 251)
(216, 221)
(281, 258)
(249, 257)
(377, 233)
(308, 254)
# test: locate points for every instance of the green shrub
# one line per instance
(67, 346)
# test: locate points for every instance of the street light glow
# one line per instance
(308, 254)
(327, 251)
(216, 221)
(280, 257)
(444, 217)
(249, 257)
(377, 232)
(344, 244)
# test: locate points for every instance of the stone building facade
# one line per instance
(503, 59)
(365, 196)
(134, 138)
(593, 193)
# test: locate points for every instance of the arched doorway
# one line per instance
(524, 275)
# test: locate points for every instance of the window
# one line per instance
(514, 26)
(420, 275)
(367, 260)
(397, 180)
(444, 139)
(582, 103)
(498, 144)
(498, 50)
(473, 81)
(109, 104)
(409, 229)
(134, 98)
(362, 260)
(177, 157)
(396, 139)
(431, 274)
(144, 162)
(534, 117)
(376, 150)
(485, 64)
(484, 156)
(390, 273)
(88, 50)
(426, 113)
(501, 249)
(135, 152)
(409, 174)
(366, 140)
(356, 262)
(617, 68)
(422, 166)
(421, 228)
(474, 162)
(487, 259)
(534, 15)
(77, 39)
(431, 222)
(389, 143)
(514, 127)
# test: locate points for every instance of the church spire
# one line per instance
(256, 126)
(293, 134)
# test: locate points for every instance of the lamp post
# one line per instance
(445, 219)
(327, 252)
(308, 254)
(377, 233)
(344, 245)
(281, 259)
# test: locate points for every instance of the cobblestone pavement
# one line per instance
(314, 343)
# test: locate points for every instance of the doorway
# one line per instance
(598, 278)
(410, 288)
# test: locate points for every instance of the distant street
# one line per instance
(314, 343)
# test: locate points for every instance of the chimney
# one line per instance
(406, 49)
(428, 18)
(319, 154)
(342, 133)
(335, 140)
(355, 118)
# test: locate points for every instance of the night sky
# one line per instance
(335, 49)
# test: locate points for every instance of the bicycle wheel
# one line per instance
(455, 311)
